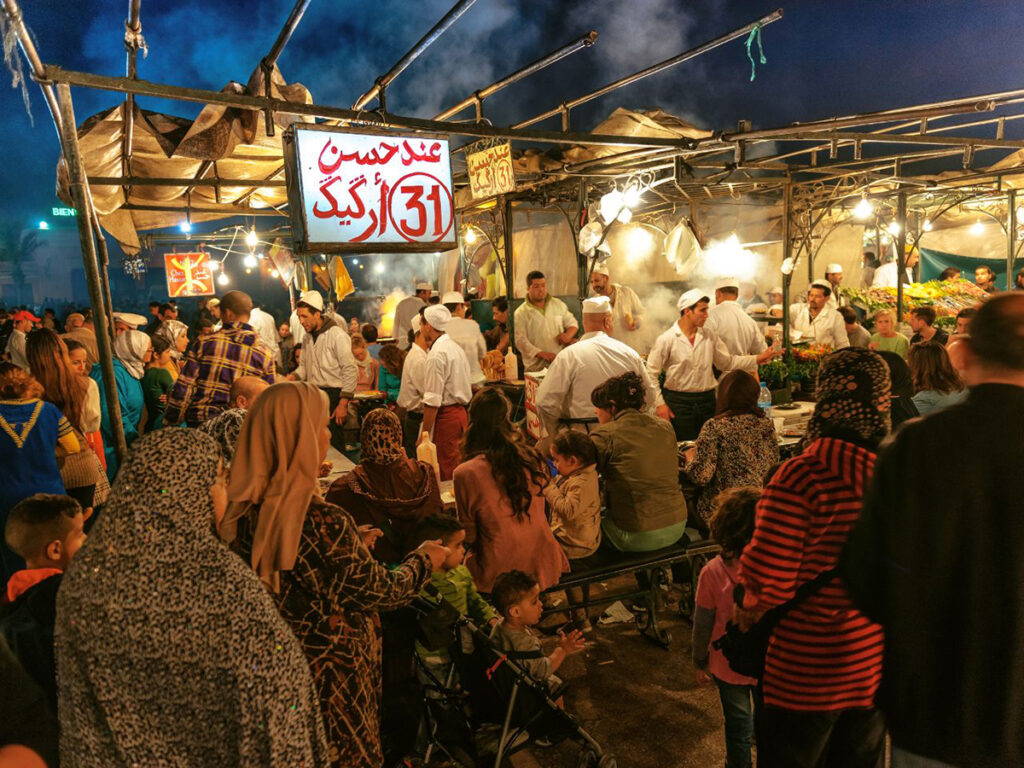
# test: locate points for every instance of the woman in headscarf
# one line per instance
(132, 350)
(175, 333)
(824, 659)
(310, 555)
(169, 650)
(903, 407)
(735, 448)
(387, 489)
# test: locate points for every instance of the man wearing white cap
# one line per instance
(127, 321)
(564, 395)
(410, 394)
(774, 297)
(734, 326)
(543, 324)
(326, 361)
(686, 353)
(446, 389)
(466, 333)
(834, 275)
(816, 320)
(627, 311)
(408, 308)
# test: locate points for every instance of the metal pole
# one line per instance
(901, 256)
(576, 45)
(286, 32)
(656, 68)
(425, 42)
(510, 274)
(81, 197)
(32, 56)
(1011, 237)
(787, 253)
(132, 42)
(104, 265)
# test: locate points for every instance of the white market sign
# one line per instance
(490, 171)
(366, 191)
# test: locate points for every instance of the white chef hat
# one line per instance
(776, 289)
(437, 316)
(313, 299)
(727, 282)
(834, 269)
(452, 297)
(415, 323)
(600, 269)
(597, 305)
(424, 287)
(691, 298)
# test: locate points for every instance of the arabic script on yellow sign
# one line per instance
(491, 172)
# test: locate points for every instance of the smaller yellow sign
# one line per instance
(491, 172)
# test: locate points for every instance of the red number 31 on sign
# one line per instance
(424, 213)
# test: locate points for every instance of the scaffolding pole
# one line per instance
(1011, 237)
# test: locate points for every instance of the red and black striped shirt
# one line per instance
(824, 655)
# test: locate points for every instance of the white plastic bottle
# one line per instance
(764, 400)
(426, 452)
(511, 365)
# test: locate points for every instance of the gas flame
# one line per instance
(387, 312)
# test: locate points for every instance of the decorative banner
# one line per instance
(188, 274)
(343, 284)
(490, 171)
(281, 258)
(365, 191)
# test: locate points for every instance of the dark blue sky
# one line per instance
(825, 58)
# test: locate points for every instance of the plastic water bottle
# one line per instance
(764, 400)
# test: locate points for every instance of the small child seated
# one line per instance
(516, 595)
(46, 530)
(574, 498)
(732, 526)
(453, 581)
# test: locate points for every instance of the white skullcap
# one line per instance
(727, 282)
(690, 298)
(597, 305)
(416, 323)
(821, 284)
(214, 302)
(130, 318)
(313, 299)
(833, 269)
(452, 297)
(776, 289)
(437, 316)
(424, 287)
(600, 269)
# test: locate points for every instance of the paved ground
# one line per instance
(639, 701)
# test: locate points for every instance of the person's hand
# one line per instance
(745, 618)
(436, 551)
(766, 356)
(663, 412)
(547, 357)
(494, 622)
(369, 534)
(572, 642)
(689, 453)
(702, 678)
(341, 412)
(873, 345)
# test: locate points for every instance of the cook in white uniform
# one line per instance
(466, 333)
(816, 320)
(543, 324)
(408, 308)
(627, 310)
(732, 324)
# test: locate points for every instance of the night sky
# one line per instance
(825, 58)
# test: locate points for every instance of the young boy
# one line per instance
(46, 530)
(453, 581)
(516, 595)
(732, 526)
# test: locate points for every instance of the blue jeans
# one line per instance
(738, 709)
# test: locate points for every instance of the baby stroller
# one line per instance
(494, 693)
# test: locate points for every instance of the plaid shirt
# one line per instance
(211, 366)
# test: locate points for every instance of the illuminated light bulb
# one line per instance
(249, 261)
(355, 262)
(362, 266)
(185, 227)
(470, 236)
(274, 273)
(378, 269)
(864, 209)
(894, 228)
(252, 239)
(44, 225)
(632, 196)
(248, 271)
(260, 255)
(977, 228)
(787, 266)
(886, 239)
(927, 226)
(223, 279)
(611, 205)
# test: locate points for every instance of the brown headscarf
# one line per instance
(737, 394)
(276, 464)
(381, 437)
(853, 398)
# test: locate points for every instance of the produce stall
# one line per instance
(947, 297)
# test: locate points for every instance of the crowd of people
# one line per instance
(205, 600)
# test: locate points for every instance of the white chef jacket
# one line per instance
(837, 298)
(627, 302)
(326, 359)
(736, 328)
(536, 330)
(578, 370)
(687, 365)
(414, 371)
(405, 311)
(446, 374)
(827, 328)
(466, 333)
(885, 275)
(16, 349)
(265, 326)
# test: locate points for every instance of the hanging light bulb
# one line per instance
(248, 271)
(894, 228)
(252, 239)
(222, 279)
(185, 226)
(977, 228)
(470, 236)
(864, 209)
(927, 226)
(249, 261)
(378, 268)
(631, 197)
(274, 273)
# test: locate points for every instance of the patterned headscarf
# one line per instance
(172, 330)
(276, 465)
(167, 644)
(381, 437)
(225, 429)
(130, 347)
(852, 397)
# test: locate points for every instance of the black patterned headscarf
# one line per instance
(853, 397)
(225, 428)
(381, 437)
(169, 650)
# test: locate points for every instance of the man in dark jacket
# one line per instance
(938, 560)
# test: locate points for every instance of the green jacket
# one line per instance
(639, 461)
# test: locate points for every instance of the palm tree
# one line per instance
(18, 244)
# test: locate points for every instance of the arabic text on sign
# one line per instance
(491, 171)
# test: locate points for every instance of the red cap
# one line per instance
(24, 314)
